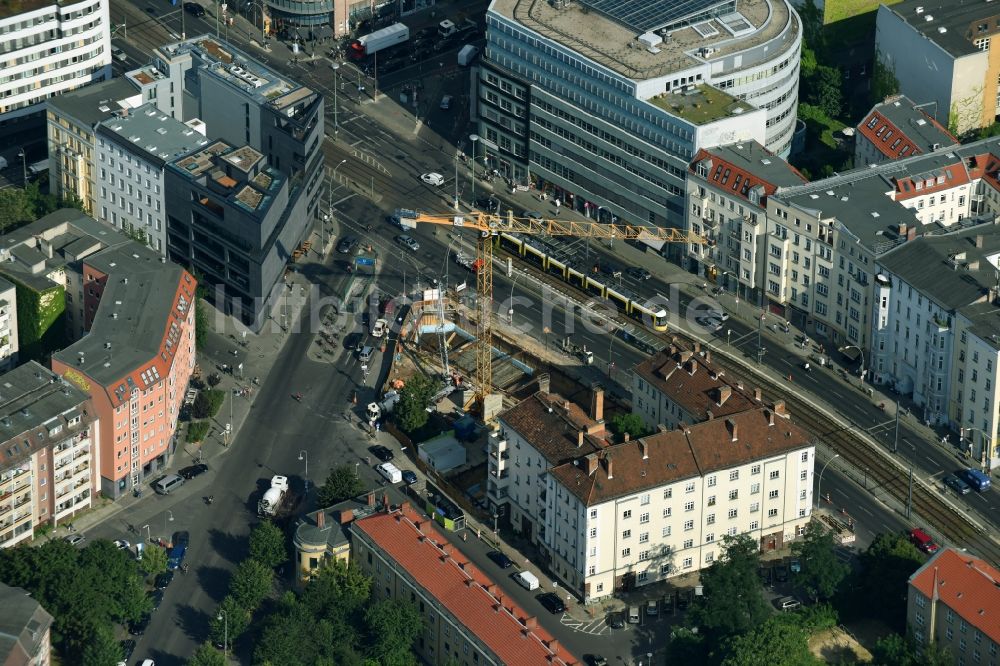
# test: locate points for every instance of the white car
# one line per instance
(118, 54)
(378, 330)
(122, 544)
(435, 179)
(408, 241)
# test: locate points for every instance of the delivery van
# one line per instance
(390, 472)
(527, 580)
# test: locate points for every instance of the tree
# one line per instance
(207, 404)
(251, 583)
(337, 589)
(231, 620)
(686, 647)
(777, 642)
(15, 208)
(411, 410)
(732, 602)
(200, 323)
(154, 559)
(886, 564)
(102, 648)
(893, 650)
(267, 545)
(630, 424)
(294, 635)
(393, 626)
(823, 89)
(341, 483)
(821, 571)
(115, 579)
(207, 655)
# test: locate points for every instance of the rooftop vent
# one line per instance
(651, 41)
(920, 10)
(928, 18)
(943, 29)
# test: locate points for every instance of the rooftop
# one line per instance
(898, 129)
(553, 425)
(740, 167)
(147, 130)
(613, 44)
(33, 402)
(691, 381)
(951, 25)
(23, 625)
(93, 103)
(701, 105)
(137, 326)
(240, 175)
(467, 594)
(329, 526)
(984, 319)
(954, 269)
(668, 457)
(10, 8)
(967, 585)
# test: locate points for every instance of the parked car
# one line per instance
(163, 580)
(434, 179)
(176, 557)
(652, 610)
(192, 471)
(382, 453)
(379, 328)
(488, 204)
(408, 241)
(139, 627)
(128, 647)
(551, 602)
(786, 604)
(639, 273)
(446, 102)
(616, 620)
(956, 484)
(711, 323)
(118, 54)
(156, 598)
(532, 214)
(409, 477)
(122, 544)
(194, 9)
(347, 244)
(500, 559)
(74, 539)
(611, 270)
(182, 538)
(922, 540)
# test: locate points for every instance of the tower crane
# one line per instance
(489, 225)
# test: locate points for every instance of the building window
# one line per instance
(754, 507)
(805, 456)
(644, 537)
(643, 555)
(710, 537)
(626, 552)
(627, 534)
(667, 512)
(665, 532)
(644, 517)
(710, 520)
(734, 475)
(644, 499)
(755, 469)
(689, 488)
(689, 506)
(626, 514)
(774, 474)
(771, 513)
(732, 513)
(593, 513)
(688, 525)
(734, 494)
(710, 481)
(687, 563)
(592, 570)
(668, 493)
(593, 532)
(754, 488)
(754, 525)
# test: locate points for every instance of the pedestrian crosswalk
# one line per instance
(594, 626)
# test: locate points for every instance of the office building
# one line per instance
(898, 128)
(611, 517)
(604, 104)
(133, 148)
(727, 191)
(941, 54)
(25, 629)
(950, 603)
(935, 333)
(278, 129)
(467, 619)
(679, 386)
(136, 359)
(71, 119)
(47, 48)
(48, 452)
(9, 340)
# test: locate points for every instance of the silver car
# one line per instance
(408, 241)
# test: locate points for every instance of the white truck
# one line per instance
(390, 472)
(467, 54)
(448, 28)
(397, 33)
(274, 497)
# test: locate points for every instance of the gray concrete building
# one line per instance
(25, 629)
(133, 148)
(603, 104)
(898, 128)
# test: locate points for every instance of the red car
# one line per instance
(923, 541)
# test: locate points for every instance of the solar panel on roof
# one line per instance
(646, 15)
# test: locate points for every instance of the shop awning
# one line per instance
(850, 352)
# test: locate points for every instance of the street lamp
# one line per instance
(168, 516)
(223, 615)
(861, 352)
(24, 166)
(760, 347)
(336, 125)
(149, 537)
(475, 141)
(819, 484)
(304, 455)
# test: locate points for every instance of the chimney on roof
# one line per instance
(979, 241)
(724, 392)
(371, 498)
(544, 382)
(447, 548)
(770, 416)
(779, 408)
(691, 367)
(902, 229)
(530, 623)
(661, 428)
(321, 519)
(608, 464)
(911, 233)
(579, 437)
(731, 424)
(671, 350)
(591, 463)
(685, 355)
(597, 402)
(708, 356)
(644, 449)
(697, 347)
(346, 516)
(552, 644)
(627, 437)
(385, 502)
(709, 415)
(757, 394)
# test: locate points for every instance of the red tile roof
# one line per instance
(967, 585)
(436, 566)
(906, 186)
(690, 380)
(891, 140)
(552, 425)
(726, 173)
(668, 457)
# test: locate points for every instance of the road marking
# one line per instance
(932, 461)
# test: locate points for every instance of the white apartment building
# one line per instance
(48, 452)
(47, 48)
(641, 511)
(8, 326)
(727, 190)
(679, 386)
(898, 128)
(935, 332)
(133, 148)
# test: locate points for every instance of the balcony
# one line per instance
(502, 475)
